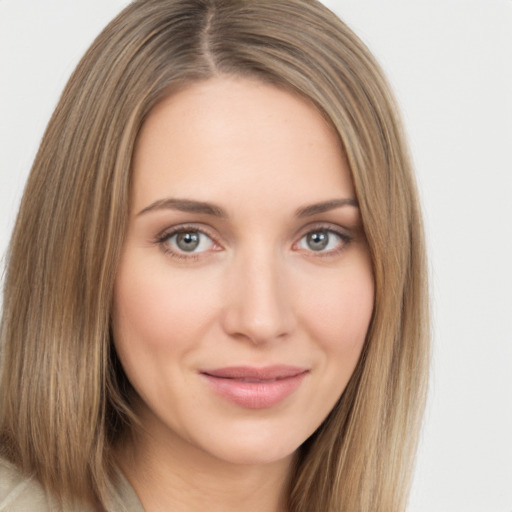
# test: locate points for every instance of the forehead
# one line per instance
(238, 137)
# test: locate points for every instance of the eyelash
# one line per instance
(345, 240)
(163, 239)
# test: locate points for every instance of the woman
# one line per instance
(215, 293)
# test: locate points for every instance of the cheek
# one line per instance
(157, 311)
(340, 311)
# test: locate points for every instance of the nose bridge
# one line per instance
(258, 306)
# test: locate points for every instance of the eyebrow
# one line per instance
(185, 205)
(325, 206)
(192, 206)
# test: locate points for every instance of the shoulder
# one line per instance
(21, 493)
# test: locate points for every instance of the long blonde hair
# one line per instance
(64, 399)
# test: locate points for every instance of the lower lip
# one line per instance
(255, 395)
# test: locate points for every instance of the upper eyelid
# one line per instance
(338, 232)
(165, 235)
(326, 226)
(170, 231)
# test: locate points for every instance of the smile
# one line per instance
(255, 388)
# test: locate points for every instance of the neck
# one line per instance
(177, 476)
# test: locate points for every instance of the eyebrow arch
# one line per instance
(184, 205)
(325, 206)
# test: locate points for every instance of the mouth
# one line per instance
(255, 388)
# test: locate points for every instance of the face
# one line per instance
(245, 289)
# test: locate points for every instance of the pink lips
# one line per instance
(255, 388)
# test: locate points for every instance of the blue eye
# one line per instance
(322, 240)
(188, 241)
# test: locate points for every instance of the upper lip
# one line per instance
(257, 373)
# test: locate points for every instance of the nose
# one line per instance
(258, 301)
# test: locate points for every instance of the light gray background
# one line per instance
(450, 62)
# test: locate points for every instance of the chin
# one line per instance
(254, 445)
(256, 455)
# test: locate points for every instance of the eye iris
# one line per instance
(187, 241)
(318, 240)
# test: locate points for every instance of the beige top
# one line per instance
(19, 493)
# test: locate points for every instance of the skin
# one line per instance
(255, 292)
